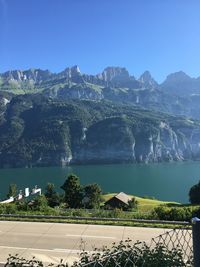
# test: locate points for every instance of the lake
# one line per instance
(164, 181)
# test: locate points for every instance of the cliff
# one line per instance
(38, 131)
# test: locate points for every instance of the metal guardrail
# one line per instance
(39, 216)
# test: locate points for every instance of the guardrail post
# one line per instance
(196, 240)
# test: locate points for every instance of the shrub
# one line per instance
(138, 254)
(40, 203)
(8, 208)
(175, 213)
(132, 204)
(126, 254)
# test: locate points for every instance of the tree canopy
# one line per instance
(51, 195)
(73, 191)
(194, 194)
(92, 196)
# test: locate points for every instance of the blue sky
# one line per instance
(162, 36)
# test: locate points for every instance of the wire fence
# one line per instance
(180, 238)
(173, 248)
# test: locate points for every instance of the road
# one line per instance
(51, 242)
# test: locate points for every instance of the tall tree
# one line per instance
(73, 191)
(12, 191)
(51, 195)
(92, 196)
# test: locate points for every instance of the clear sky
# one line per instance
(161, 36)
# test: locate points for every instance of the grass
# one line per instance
(95, 87)
(21, 91)
(144, 204)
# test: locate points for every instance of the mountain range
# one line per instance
(178, 83)
(178, 94)
(69, 117)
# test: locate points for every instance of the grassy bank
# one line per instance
(144, 204)
(99, 222)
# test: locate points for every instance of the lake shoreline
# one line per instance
(99, 164)
(165, 181)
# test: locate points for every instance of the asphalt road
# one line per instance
(51, 242)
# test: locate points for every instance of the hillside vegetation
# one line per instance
(39, 131)
(143, 204)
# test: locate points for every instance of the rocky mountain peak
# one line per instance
(110, 74)
(146, 76)
(180, 83)
(35, 75)
(72, 73)
(13, 75)
(75, 69)
(147, 80)
(179, 76)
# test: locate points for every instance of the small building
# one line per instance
(120, 200)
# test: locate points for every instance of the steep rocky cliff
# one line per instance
(37, 131)
(148, 81)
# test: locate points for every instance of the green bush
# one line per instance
(139, 255)
(171, 214)
(126, 254)
(176, 213)
(8, 209)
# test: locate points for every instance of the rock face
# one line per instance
(72, 74)
(109, 117)
(177, 95)
(37, 131)
(147, 81)
(118, 77)
(113, 74)
(34, 75)
(179, 83)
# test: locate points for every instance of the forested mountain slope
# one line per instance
(36, 130)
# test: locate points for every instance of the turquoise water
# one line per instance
(164, 181)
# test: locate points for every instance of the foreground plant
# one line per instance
(125, 253)
(138, 254)
(16, 261)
